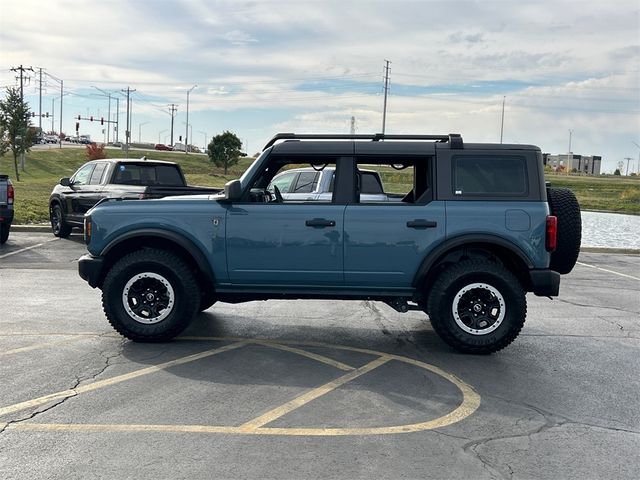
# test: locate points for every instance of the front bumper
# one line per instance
(545, 283)
(90, 269)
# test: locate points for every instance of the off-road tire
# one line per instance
(564, 205)
(486, 275)
(58, 226)
(178, 281)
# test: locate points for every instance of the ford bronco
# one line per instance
(473, 231)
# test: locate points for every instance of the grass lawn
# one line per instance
(45, 167)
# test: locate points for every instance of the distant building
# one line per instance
(569, 162)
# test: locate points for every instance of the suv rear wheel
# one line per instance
(150, 295)
(477, 306)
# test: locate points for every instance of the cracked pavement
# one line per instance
(560, 402)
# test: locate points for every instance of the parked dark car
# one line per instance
(7, 194)
(107, 178)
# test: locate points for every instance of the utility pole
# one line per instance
(40, 100)
(353, 126)
(186, 134)
(23, 132)
(386, 90)
(174, 108)
(117, 119)
(127, 132)
(502, 121)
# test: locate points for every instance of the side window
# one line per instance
(82, 176)
(98, 172)
(306, 183)
(489, 176)
(404, 179)
(283, 182)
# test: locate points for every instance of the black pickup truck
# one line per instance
(114, 178)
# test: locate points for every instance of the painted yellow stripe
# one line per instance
(304, 353)
(37, 346)
(311, 395)
(608, 271)
(114, 380)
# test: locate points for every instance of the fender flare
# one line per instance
(191, 248)
(451, 244)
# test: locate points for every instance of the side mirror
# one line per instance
(65, 182)
(233, 190)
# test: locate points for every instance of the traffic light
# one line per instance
(91, 118)
(46, 114)
(180, 138)
(33, 114)
(101, 120)
(79, 117)
(77, 126)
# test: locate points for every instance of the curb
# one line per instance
(37, 228)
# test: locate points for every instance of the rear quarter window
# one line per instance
(489, 176)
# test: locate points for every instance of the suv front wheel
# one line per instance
(477, 306)
(150, 295)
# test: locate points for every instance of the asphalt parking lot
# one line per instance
(313, 389)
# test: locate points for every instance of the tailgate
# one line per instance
(3, 190)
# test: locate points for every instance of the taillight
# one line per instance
(551, 233)
(10, 194)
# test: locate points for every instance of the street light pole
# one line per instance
(140, 131)
(186, 134)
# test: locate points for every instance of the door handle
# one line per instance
(421, 223)
(320, 222)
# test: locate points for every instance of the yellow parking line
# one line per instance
(304, 353)
(311, 395)
(37, 346)
(112, 381)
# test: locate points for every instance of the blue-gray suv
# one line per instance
(462, 232)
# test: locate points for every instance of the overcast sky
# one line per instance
(263, 67)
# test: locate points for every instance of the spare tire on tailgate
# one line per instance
(565, 207)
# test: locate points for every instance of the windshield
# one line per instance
(255, 166)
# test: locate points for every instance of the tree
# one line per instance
(14, 119)
(224, 150)
(617, 171)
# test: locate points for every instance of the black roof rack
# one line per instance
(454, 139)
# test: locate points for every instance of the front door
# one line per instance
(296, 244)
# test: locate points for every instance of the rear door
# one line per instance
(385, 242)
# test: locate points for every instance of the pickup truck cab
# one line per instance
(111, 178)
(7, 196)
(475, 230)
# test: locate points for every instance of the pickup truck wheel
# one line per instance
(58, 225)
(4, 232)
(477, 306)
(150, 295)
(564, 205)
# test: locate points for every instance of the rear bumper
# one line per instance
(545, 283)
(90, 269)
(6, 215)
